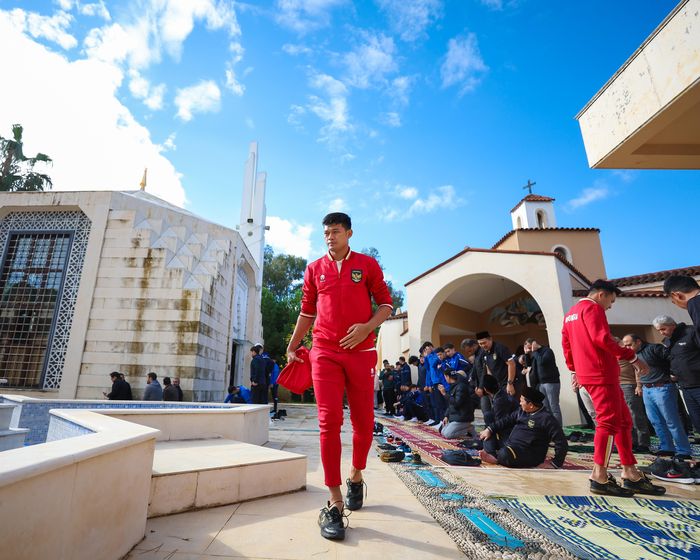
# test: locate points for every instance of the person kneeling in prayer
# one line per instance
(533, 427)
(457, 423)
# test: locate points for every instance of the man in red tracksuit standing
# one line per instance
(592, 357)
(337, 299)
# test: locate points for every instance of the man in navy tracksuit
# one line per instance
(258, 375)
(533, 427)
(433, 379)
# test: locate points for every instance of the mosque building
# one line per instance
(98, 281)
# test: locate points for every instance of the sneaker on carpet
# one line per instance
(354, 495)
(414, 419)
(644, 486)
(695, 472)
(386, 447)
(330, 520)
(400, 418)
(610, 488)
(395, 456)
(428, 422)
(678, 472)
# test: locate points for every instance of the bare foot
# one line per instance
(487, 458)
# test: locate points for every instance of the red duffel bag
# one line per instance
(296, 376)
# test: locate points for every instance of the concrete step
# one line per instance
(6, 415)
(12, 438)
(212, 472)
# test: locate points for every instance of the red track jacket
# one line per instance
(589, 348)
(338, 300)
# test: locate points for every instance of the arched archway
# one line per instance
(484, 302)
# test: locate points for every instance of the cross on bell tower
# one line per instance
(529, 186)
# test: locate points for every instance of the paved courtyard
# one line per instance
(393, 523)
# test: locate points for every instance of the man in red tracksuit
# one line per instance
(337, 299)
(592, 357)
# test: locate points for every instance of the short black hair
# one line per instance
(412, 385)
(530, 340)
(425, 345)
(439, 349)
(115, 374)
(413, 360)
(152, 375)
(166, 381)
(448, 346)
(635, 337)
(339, 218)
(402, 359)
(604, 286)
(468, 343)
(257, 349)
(680, 283)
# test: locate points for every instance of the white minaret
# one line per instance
(253, 210)
(534, 211)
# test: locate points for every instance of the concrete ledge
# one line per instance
(198, 474)
(85, 476)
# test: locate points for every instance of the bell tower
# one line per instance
(534, 212)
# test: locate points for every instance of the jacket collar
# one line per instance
(346, 257)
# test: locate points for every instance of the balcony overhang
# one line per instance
(648, 114)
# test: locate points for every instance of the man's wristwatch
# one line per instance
(511, 382)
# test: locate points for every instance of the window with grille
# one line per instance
(31, 280)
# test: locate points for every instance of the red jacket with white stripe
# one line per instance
(340, 298)
(589, 348)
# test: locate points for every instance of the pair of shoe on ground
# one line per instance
(628, 488)
(675, 470)
(331, 519)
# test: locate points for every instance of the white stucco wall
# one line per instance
(546, 278)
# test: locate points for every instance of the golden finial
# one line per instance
(143, 180)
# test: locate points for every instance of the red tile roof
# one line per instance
(402, 315)
(505, 252)
(650, 277)
(511, 232)
(532, 198)
(655, 294)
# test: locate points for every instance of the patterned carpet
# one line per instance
(431, 444)
(593, 527)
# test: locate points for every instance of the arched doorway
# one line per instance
(486, 302)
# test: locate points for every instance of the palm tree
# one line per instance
(17, 170)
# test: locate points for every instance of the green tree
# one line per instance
(396, 295)
(281, 299)
(17, 170)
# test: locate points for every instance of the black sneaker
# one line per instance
(695, 472)
(644, 486)
(663, 453)
(354, 494)
(679, 472)
(610, 488)
(330, 519)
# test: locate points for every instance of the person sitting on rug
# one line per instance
(414, 405)
(457, 423)
(502, 404)
(533, 427)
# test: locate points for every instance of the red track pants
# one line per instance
(613, 421)
(334, 373)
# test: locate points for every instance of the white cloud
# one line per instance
(392, 119)
(141, 88)
(97, 9)
(338, 205)
(303, 16)
(493, 4)
(410, 18)
(169, 144)
(203, 97)
(408, 193)
(52, 28)
(589, 195)
(289, 238)
(333, 109)
(369, 63)
(399, 89)
(295, 50)
(463, 65)
(250, 123)
(232, 82)
(625, 175)
(95, 142)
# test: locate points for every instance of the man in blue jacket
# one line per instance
(433, 379)
(258, 375)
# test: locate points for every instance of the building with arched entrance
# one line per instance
(521, 288)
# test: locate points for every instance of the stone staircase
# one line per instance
(10, 438)
(206, 473)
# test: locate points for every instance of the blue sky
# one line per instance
(420, 118)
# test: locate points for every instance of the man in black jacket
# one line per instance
(121, 390)
(684, 355)
(660, 396)
(258, 375)
(533, 427)
(685, 345)
(457, 423)
(544, 374)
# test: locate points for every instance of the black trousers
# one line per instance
(259, 394)
(389, 400)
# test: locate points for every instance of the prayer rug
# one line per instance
(600, 528)
(480, 528)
